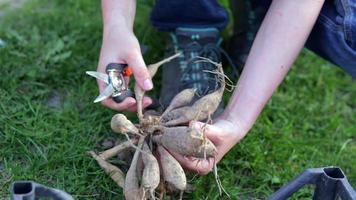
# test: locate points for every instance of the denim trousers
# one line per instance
(333, 37)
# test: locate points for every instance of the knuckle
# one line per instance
(132, 52)
(131, 55)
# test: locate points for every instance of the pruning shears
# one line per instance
(115, 80)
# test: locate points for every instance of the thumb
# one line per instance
(211, 131)
(142, 76)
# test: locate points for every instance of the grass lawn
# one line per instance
(48, 120)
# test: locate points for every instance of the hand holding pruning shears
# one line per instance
(116, 84)
(120, 57)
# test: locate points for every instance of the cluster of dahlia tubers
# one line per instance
(153, 170)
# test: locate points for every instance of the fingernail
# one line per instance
(147, 84)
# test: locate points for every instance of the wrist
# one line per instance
(118, 13)
(239, 125)
(116, 28)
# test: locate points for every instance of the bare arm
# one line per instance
(280, 38)
(118, 13)
(120, 45)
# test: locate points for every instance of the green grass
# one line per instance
(309, 122)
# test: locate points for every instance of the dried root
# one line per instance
(114, 172)
(150, 176)
(132, 188)
(120, 124)
(186, 141)
(206, 105)
(173, 173)
(153, 171)
(181, 99)
(116, 149)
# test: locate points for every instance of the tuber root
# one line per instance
(186, 141)
(201, 109)
(120, 124)
(172, 172)
(132, 189)
(115, 173)
(115, 150)
(183, 98)
(150, 176)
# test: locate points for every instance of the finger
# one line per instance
(101, 85)
(212, 132)
(132, 108)
(142, 76)
(201, 166)
(146, 101)
(123, 106)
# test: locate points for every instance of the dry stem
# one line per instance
(139, 93)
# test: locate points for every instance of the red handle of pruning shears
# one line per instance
(127, 71)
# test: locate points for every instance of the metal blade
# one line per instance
(105, 94)
(98, 75)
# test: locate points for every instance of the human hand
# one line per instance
(223, 133)
(120, 45)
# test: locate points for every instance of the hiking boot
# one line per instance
(184, 72)
(248, 16)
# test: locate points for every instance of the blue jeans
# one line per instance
(333, 36)
(167, 15)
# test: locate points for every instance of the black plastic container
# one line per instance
(330, 184)
(29, 190)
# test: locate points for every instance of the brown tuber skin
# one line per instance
(132, 189)
(120, 124)
(115, 173)
(116, 149)
(150, 176)
(183, 98)
(186, 141)
(200, 110)
(172, 172)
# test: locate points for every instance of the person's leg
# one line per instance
(194, 29)
(247, 17)
(171, 14)
(334, 34)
